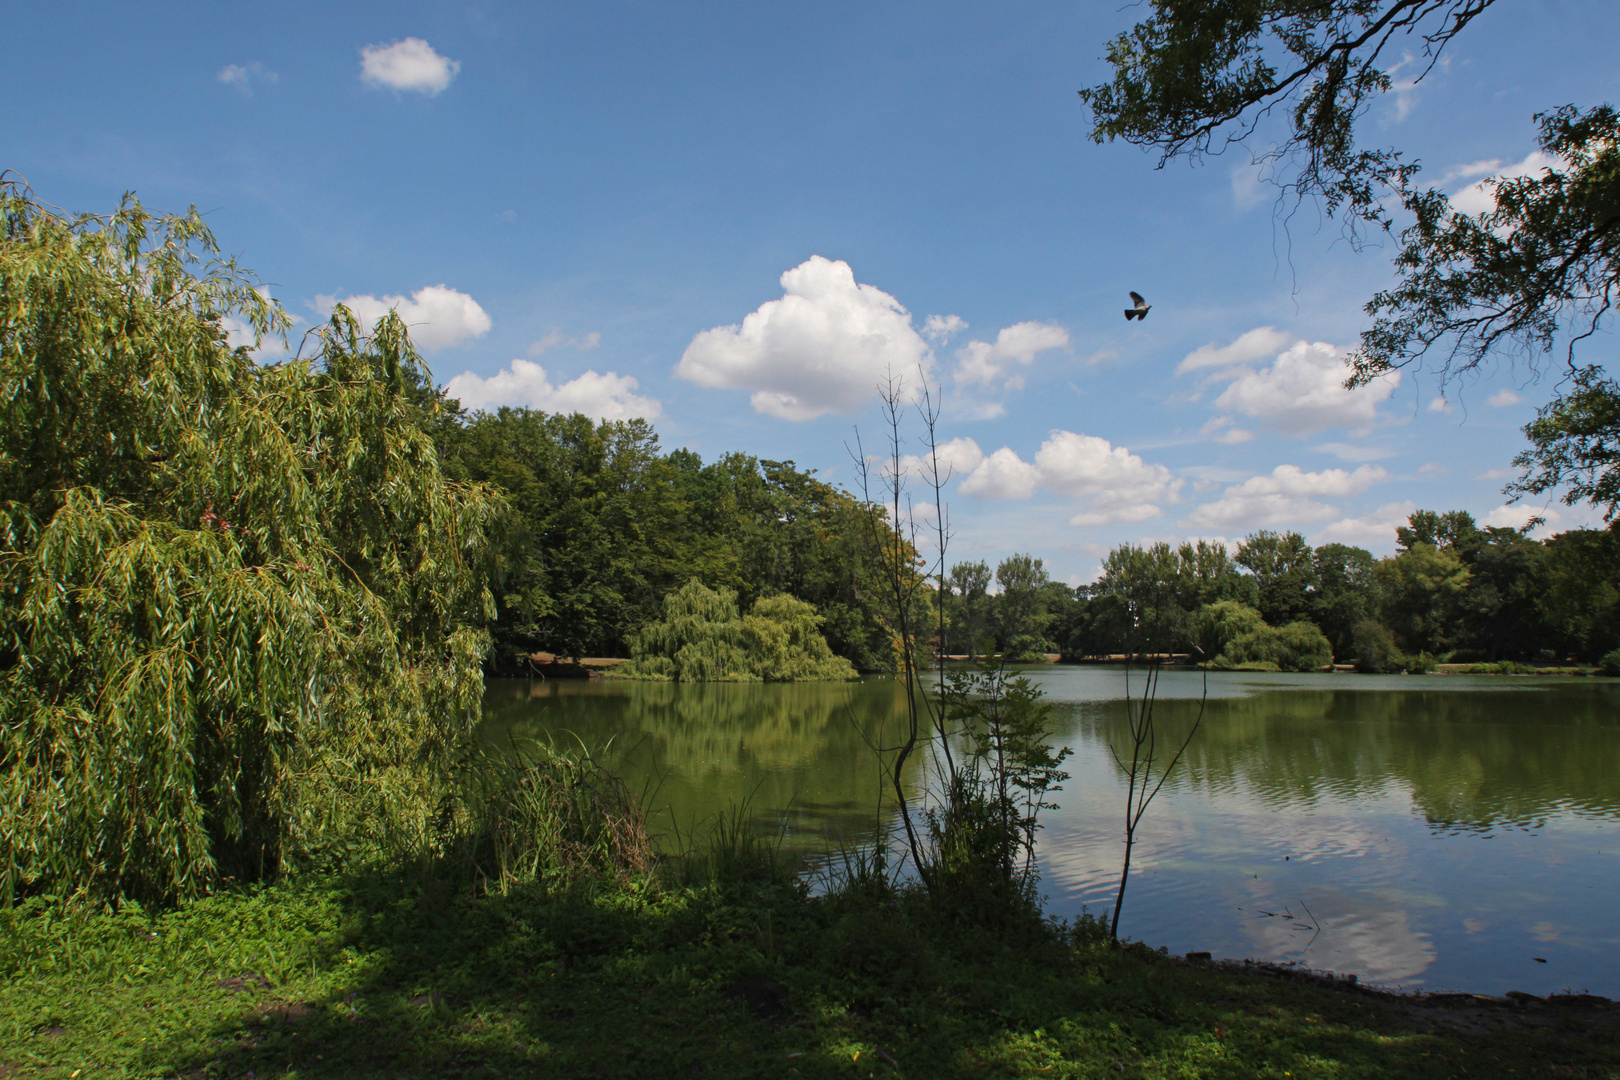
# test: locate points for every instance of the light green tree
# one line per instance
(240, 608)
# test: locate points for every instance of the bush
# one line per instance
(1610, 664)
(702, 638)
(1375, 648)
(1298, 646)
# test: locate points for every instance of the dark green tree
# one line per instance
(1284, 569)
(1346, 593)
(967, 606)
(1019, 612)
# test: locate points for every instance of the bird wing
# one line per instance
(1136, 298)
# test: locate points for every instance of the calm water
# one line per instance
(1436, 832)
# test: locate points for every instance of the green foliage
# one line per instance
(968, 604)
(1215, 626)
(1542, 262)
(1019, 612)
(608, 525)
(1298, 646)
(1346, 593)
(394, 975)
(520, 817)
(982, 832)
(1575, 445)
(1423, 589)
(1284, 572)
(1145, 596)
(1194, 77)
(702, 638)
(1610, 664)
(240, 607)
(1375, 647)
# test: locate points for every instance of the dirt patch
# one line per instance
(243, 983)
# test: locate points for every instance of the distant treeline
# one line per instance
(605, 524)
(1453, 591)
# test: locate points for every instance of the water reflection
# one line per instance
(1416, 831)
(796, 754)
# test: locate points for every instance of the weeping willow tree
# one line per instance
(703, 638)
(240, 608)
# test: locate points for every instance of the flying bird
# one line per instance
(1140, 310)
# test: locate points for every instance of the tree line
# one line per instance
(1452, 591)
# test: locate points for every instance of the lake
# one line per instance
(1434, 832)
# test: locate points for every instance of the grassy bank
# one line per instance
(407, 975)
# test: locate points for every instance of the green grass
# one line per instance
(399, 975)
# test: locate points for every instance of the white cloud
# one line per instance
(939, 329)
(525, 383)
(1352, 452)
(1495, 474)
(1002, 475)
(983, 362)
(1439, 405)
(1431, 467)
(438, 316)
(1116, 485)
(1287, 496)
(822, 348)
(1303, 392)
(556, 339)
(244, 76)
(239, 334)
(1503, 398)
(1258, 343)
(1221, 430)
(1512, 516)
(957, 458)
(1374, 530)
(1480, 197)
(410, 64)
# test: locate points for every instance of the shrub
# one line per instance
(1375, 648)
(702, 638)
(1298, 646)
(1610, 664)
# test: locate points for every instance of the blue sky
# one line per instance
(732, 217)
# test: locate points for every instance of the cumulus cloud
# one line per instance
(1261, 342)
(1511, 516)
(556, 339)
(939, 329)
(984, 362)
(1375, 530)
(1002, 475)
(526, 384)
(1480, 196)
(822, 348)
(1503, 398)
(438, 316)
(1287, 496)
(1115, 484)
(410, 64)
(1303, 392)
(1439, 405)
(957, 458)
(243, 76)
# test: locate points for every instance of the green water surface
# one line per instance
(1441, 832)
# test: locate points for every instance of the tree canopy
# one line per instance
(238, 603)
(1542, 266)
